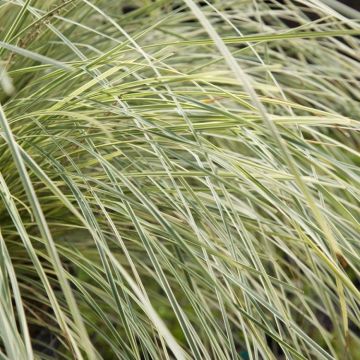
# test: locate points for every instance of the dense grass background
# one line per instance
(179, 179)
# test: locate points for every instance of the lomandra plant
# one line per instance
(179, 179)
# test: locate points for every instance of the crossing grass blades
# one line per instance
(179, 179)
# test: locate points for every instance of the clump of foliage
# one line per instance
(179, 179)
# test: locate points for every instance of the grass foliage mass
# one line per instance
(179, 179)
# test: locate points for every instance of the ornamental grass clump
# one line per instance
(179, 179)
